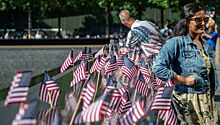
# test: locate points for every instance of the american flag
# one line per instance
(125, 103)
(128, 69)
(88, 93)
(101, 63)
(81, 55)
(67, 62)
(115, 102)
(97, 65)
(110, 85)
(19, 88)
(111, 65)
(162, 100)
(94, 65)
(112, 51)
(27, 114)
(79, 74)
(116, 96)
(95, 112)
(144, 70)
(120, 60)
(47, 118)
(49, 90)
(89, 54)
(168, 115)
(134, 114)
(121, 88)
(156, 82)
(141, 85)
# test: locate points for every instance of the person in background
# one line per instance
(166, 31)
(142, 34)
(211, 36)
(188, 61)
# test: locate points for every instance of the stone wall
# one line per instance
(35, 59)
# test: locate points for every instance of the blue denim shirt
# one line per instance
(181, 56)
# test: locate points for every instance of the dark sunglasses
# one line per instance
(199, 20)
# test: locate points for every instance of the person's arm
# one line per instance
(165, 58)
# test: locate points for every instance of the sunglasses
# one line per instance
(199, 20)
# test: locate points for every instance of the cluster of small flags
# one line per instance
(98, 101)
(29, 112)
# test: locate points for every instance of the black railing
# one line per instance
(78, 41)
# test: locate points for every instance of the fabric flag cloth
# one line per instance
(133, 115)
(67, 62)
(125, 104)
(162, 100)
(19, 88)
(97, 65)
(88, 93)
(111, 65)
(95, 112)
(94, 65)
(89, 54)
(81, 55)
(141, 85)
(145, 36)
(79, 74)
(169, 116)
(128, 69)
(49, 90)
(27, 114)
(120, 61)
(46, 117)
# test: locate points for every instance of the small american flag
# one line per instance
(49, 90)
(27, 114)
(94, 65)
(156, 82)
(125, 103)
(111, 65)
(89, 54)
(121, 88)
(120, 60)
(47, 118)
(97, 65)
(95, 112)
(67, 62)
(79, 74)
(134, 114)
(88, 93)
(144, 70)
(19, 88)
(128, 69)
(168, 115)
(162, 100)
(141, 85)
(81, 55)
(113, 51)
(101, 63)
(110, 85)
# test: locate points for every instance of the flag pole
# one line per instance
(135, 91)
(79, 101)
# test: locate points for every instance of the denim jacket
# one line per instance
(181, 56)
